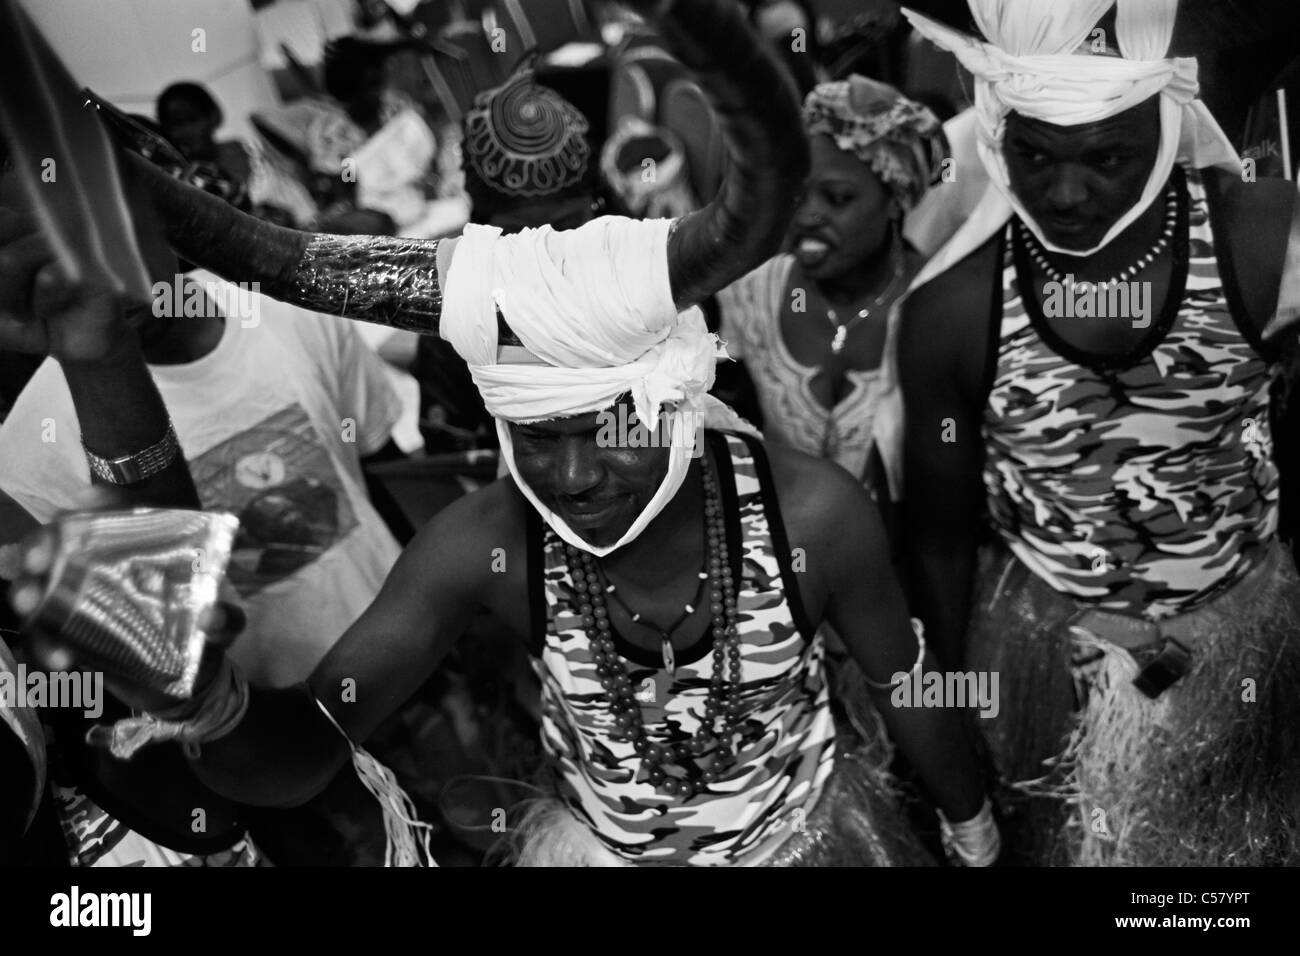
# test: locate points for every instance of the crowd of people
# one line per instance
(823, 533)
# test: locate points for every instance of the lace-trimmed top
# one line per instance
(751, 326)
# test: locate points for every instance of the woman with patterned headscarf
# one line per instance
(810, 323)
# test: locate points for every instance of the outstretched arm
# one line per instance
(285, 750)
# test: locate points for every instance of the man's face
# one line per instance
(189, 129)
(843, 217)
(596, 486)
(1077, 181)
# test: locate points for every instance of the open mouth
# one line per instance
(811, 251)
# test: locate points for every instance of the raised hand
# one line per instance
(46, 312)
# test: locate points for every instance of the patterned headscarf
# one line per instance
(524, 140)
(900, 140)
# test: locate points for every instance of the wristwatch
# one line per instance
(130, 469)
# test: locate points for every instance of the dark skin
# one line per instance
(193, 130)
(103, 344)
(844, 259)
(284, 751)
(1086, 176)
(86, 329)
(1075, 182)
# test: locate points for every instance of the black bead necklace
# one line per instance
(722, 705)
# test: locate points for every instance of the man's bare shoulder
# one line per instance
(481, 538)
(814, 494)
(957, 293)
(1261, 200)
(945, 323)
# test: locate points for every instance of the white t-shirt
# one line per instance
(273, 422)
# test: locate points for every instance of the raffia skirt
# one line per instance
(1092, 772)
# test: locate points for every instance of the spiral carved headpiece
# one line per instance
(523, 139)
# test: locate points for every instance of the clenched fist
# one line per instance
(43, 311)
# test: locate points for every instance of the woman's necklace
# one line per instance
(842, 329)
(722, 707)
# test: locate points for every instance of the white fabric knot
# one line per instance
(594, 308)
(684, 370)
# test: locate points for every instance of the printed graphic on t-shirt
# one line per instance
(279, 480)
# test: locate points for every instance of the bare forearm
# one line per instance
(939, 589)
(936, 744)
(121, 413)
(281, 754)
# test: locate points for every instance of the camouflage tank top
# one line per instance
(1145, 482)
(786, 751)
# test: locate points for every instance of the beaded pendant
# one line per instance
(672, 768)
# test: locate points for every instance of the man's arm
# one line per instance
(121, 413)
(865, 605)
(85, 329)
(285, 751)
(942, 353)
(1257, 239)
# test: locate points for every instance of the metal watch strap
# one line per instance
(130, 469)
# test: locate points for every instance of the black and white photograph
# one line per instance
(497, 434)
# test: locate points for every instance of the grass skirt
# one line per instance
(1094, 773)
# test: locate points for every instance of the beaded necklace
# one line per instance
(722, 706)
(1037, 253)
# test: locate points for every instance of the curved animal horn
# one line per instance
(766, 146)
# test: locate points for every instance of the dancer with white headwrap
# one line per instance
(649, 571)
(1084, 371)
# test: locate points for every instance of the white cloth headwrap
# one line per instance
(1031, 65)
(594, 303)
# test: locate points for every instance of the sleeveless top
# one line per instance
(751, 327)
(786, 751)
(1144, 481)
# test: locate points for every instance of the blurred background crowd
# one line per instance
(411, 118)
